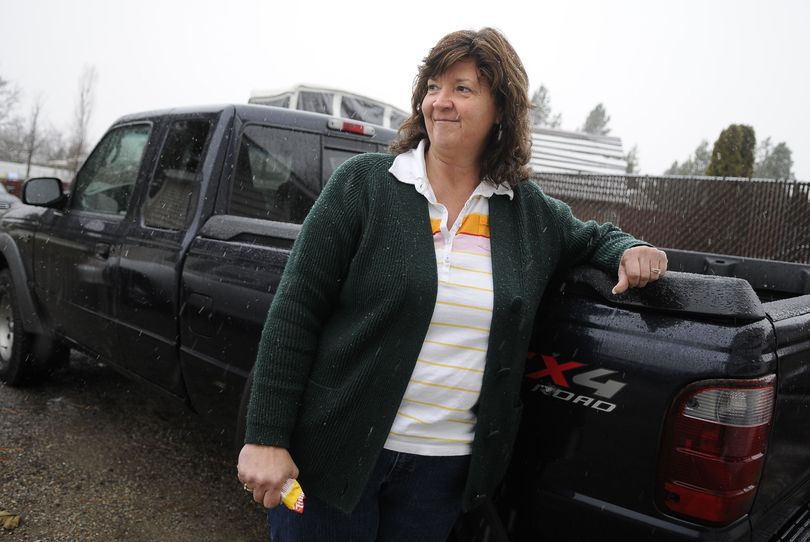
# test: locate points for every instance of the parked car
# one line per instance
(7, 200)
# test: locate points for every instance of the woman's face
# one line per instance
(459, 110)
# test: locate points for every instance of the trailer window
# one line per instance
(283, 101)
(359, 109)
(318, 102)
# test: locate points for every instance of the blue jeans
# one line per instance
(408, 498)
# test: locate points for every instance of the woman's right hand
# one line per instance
(264, 469)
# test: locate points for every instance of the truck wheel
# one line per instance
(16, 354)
(24, 358)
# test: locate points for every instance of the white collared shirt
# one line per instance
(435, 416)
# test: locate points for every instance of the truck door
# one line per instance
(152, 251)
(235, 263)
(76, 255)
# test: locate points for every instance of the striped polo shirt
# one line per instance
(435, 416)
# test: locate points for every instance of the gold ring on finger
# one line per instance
(246, 488)
(655, 270)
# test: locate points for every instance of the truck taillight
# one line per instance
(713, 450)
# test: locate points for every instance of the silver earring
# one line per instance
(500, 131)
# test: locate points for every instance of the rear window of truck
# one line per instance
(279, 173)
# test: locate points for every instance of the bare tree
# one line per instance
(9, 95)
(12, 134)
(81, 117)
(54, 146)
(33, 138)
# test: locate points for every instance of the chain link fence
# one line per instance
(755, 218)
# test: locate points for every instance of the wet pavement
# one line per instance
(92, 456)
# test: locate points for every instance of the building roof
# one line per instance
(561, 151)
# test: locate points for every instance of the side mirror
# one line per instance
(43, 192)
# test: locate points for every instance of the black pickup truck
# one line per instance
(677, 412)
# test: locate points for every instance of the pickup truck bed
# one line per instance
(594, 458)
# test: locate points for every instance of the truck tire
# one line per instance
(241, 420)
(24, 357)
(16, 346)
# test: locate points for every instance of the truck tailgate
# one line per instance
(785, 487)
(600, 380)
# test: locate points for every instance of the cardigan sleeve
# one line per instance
(589, 241)
(308, 292)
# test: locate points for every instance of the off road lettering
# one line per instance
(570, 397)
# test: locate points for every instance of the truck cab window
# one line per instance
(105, 182)
(397, 119)
(172, 195)
(277, 174)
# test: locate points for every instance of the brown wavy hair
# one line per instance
(508, 150)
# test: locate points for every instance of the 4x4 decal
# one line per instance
(553, 369)
(606, 389)
(560, 388)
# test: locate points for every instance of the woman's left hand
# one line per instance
(640, 266)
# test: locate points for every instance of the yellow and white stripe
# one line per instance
(435, 417)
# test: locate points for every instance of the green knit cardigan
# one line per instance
(353, 307)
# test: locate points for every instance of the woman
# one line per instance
(390, 365)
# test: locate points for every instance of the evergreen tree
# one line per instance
(773, 162)
(673, 169)
(597, 121)
(541, 113)
(695, 165)
(764, 149)
(632, 161)
(733, 152)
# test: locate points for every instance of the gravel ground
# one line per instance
(92, 456)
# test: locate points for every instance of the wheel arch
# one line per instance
(11, 259)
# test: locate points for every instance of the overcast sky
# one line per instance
(670, 74)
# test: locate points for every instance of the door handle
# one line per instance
(103, 250)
